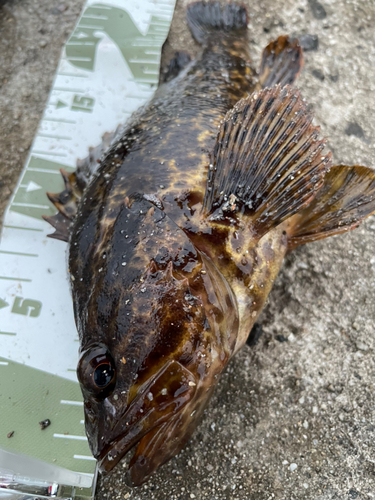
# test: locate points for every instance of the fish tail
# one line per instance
(346, 198)
(206, 18)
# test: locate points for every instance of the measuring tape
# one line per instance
(109, 67)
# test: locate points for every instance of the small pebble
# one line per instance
(361, 346)
(293, 467)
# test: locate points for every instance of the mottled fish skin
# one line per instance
(152, 281)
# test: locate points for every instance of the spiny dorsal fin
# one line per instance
(346, 198)
(267, 160)
(61, 225)
(66, 203)
(282, 61)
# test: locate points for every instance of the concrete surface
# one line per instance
(294, 417)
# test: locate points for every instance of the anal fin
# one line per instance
(267, 162)
(345, 199)
(282, 61)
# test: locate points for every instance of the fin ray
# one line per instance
(345, 199)
(61, 225)
(205, 18)
(267, 160)
(66, 203)
(282, 61)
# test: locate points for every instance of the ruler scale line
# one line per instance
(23, 228)
(8, 252)
(9, 278)
(70, 436)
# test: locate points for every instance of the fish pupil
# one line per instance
(103, 375)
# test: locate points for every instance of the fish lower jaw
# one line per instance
(145, 460)
(117, 450)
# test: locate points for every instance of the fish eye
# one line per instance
(96, 371)
(103, 374)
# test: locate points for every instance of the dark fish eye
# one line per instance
(103, 374)
(96, 371)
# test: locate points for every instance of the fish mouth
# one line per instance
(120, 447)
(153, 412)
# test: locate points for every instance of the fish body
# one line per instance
(144, 279)
(176, 237)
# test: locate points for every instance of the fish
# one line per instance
(177, 226)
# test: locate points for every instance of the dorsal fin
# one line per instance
(346, 198)
(267, 160)
(61, 225)
(66, 203)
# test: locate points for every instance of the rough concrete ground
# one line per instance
(294, 417)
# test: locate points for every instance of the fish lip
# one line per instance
(144, 414)
(107, 462)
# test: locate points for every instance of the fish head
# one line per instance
(154, 340)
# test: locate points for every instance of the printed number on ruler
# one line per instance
(81, 103)
(26, 307)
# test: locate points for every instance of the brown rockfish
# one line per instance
(177, 234)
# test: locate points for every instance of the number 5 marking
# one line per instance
(27, 307)
(81, 103)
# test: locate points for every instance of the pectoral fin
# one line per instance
(346, 198)
(267, 162)
(282, 61)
